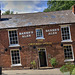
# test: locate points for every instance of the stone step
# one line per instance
(16, 68)
(45, 67)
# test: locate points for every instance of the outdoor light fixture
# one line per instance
(20, 48)
(6, 49)
(61, 44)
(51, 45)
(34, 47)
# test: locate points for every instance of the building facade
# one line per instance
(20, 45)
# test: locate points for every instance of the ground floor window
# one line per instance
(15, 56)
(68, 52)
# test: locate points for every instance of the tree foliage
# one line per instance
(7, 12)
(54, 5)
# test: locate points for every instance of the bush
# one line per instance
(33, 63)
(73, 72)
(67, 68)
(53, 62)
(63, 69)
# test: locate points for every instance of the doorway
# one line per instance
(42, 58)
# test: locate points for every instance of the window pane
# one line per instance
(68, 52)
(13, 37)
(39, 33)
(65, 33)
(15, 57)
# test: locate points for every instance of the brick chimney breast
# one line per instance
(73, 9)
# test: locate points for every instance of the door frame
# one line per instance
(45, 54)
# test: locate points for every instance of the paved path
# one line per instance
(32, 72)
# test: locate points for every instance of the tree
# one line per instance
(7, 12)
(54, 5)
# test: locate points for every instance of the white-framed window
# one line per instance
(39, 33)
(68, 52)
(65, 31)
(15, 57)
(13, 37)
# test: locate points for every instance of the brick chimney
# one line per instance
(73, 9)
(0, 14)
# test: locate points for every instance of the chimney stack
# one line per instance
(0, 14)
(73, 9)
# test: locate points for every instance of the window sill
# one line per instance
(67, 41)
(16, 65)
(68, 60)
(14, 45)
(40, 38)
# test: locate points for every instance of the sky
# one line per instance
(23, 6)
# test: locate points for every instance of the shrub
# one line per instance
(67, 67)
(63, 68)
(33, 63)
(73, 72)
(53, 62)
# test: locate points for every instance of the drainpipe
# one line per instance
(0, 57)
(0, 14)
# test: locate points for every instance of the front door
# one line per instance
(42, 58)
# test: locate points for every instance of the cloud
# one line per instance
(23, 0)
(23, 6)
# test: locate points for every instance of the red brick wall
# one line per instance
(72, 28)
(28, 53)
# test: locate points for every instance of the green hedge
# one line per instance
(73, 72)
(67, 68)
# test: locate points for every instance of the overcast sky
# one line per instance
(24, 6)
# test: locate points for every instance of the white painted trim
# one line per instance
(40, 38)
(65, 25)
(72, 53)
(46, 57)
(8, 37)
(70, 33)
(11, 29)
(69, 40)
(17, 37)
(68, 60)
(11, 58)
(13, 45)
(42, 34)
(16, 65)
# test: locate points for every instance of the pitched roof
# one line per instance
(33, 19)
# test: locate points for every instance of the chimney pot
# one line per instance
(73, 9)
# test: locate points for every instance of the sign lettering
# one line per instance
(52, 31)
(26, 34)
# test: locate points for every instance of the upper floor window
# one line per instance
(65, 33)
(68, 52)
(13, 37)
(39, 33)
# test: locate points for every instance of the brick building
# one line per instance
(37, 36)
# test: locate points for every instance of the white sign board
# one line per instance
(52, 31)
(26, 34)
